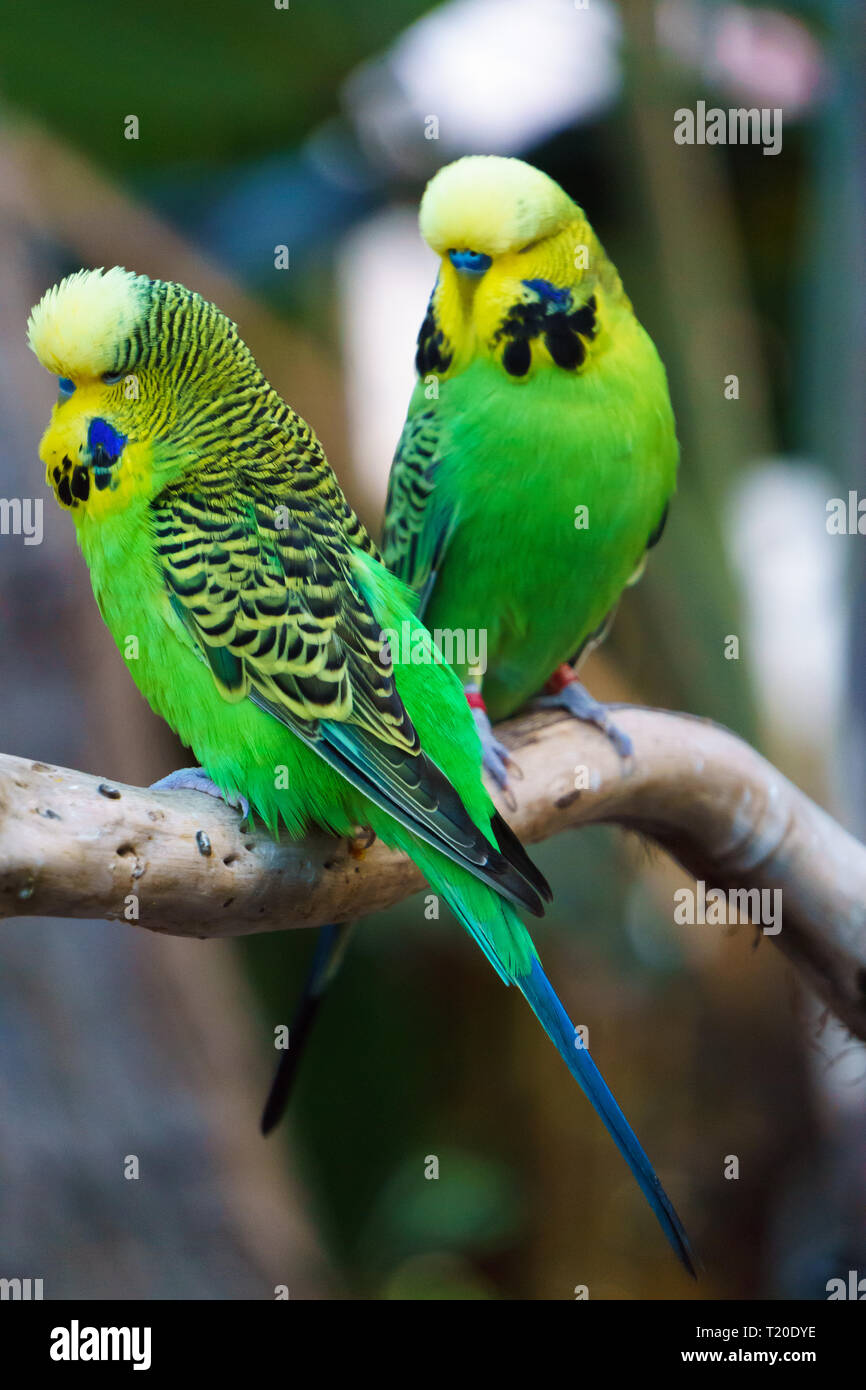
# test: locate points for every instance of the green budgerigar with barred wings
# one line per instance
(216, 533)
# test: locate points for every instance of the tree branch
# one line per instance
(72, 845)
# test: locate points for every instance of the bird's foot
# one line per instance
(495, 757)
(196, 779)
(360, 843)
(565, 691)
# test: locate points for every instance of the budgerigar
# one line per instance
(539, 455)
(216, 533)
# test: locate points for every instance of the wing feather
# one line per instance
(263, 582)
(416, 536)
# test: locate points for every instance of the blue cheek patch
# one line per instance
(103, 438)
(548, 291)
(105, 446)
(474, 262)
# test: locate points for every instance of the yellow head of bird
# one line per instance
(492, 206)
(506, 233)
(135, 359)
(88, 331)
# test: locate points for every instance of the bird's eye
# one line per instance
(475, 262)
(112, 378)
(65, 386)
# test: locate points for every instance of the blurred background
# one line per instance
(192, 143)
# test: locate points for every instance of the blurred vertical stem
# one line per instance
(707, 329)
(831, 401)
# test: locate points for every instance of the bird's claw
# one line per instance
(576, 699)
(196, 779)
(496, 759)
(360, 843)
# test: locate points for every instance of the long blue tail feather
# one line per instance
(544, 1003)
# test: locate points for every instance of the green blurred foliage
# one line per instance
(211, 82)
(468, 1202)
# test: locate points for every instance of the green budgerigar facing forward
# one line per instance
(217, 535)
(539, 454)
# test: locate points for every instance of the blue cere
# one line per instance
(104, 442)
(66, 387)
(475, 262)
(548, 291)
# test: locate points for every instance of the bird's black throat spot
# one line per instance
(80, 485)
(583, 320)
(564, 346)
(517, 357)
(434, 352)
(61, 476)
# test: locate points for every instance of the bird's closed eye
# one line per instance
(112, 378)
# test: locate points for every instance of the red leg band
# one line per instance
(562, 676)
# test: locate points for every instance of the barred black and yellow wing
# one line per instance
(261, 575)
(416, 536)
